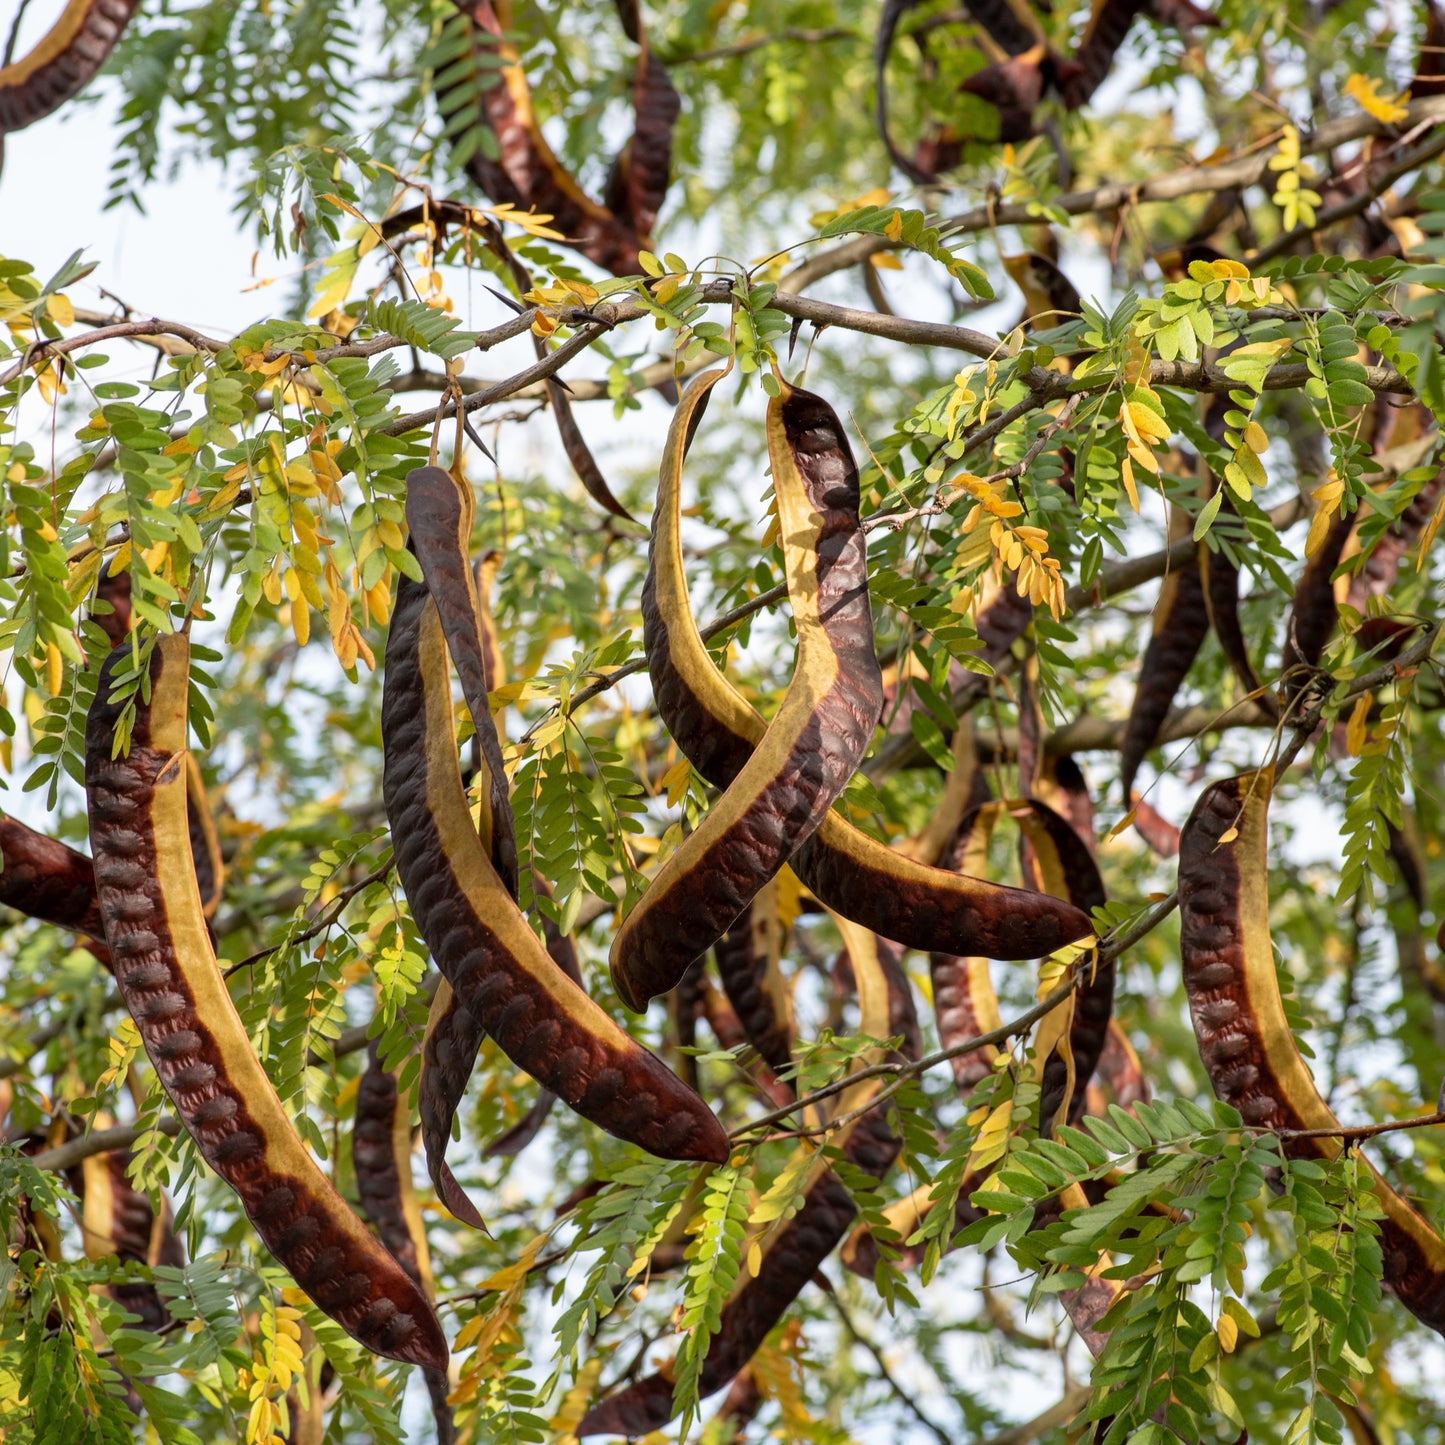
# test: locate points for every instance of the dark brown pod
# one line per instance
(1315, 609)
(63, 62)
(503, 980)
(45, 879)
(1181, 623)
(717, 729)
(822, 727)
(381, 1160)
(205, 843)
(749, 965)
(1221, 600)
(1014, 88)
(1430, 67)
(168, 977)
(1094, 58)
(1244, 1036)
(638, 181)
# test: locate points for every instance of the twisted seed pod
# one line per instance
(749, 964)
(1244, 1037)
(1066, 869)
(717, 729)
(1065, 789)
(504, 982)
(793, 1253)
(638, 180)
(381, 1159)
(1103, 35)
(1221, 600)
(1181, 623)
(64, 61)
(168, 977)
(527, 173)
(1315, 609)
(822, 727)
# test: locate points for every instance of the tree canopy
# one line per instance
(935, 934)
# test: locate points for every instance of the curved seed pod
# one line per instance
(594, 483)
(1119, 1068)
(1244, 1036)
(503, 980)
(1013, 87)
(1181, 623)
(964, 1002)
(1050, 298)
(528, 174)
(1221, 600)
(1315, 609)
(168, 977)
(1102, 37)
(1067, 869)
(749, 964)
(116, 1219)
(64, 61)
(638, 180)
(381, 1159)
(717, 729)
(964, 789)
(823, 725)
(1065, 789)
(564, 955)
(113, 588)
(439, 512)
(1382, 566)
(793, 1253)
(45, 879)
(205, 845)
(1430, 67)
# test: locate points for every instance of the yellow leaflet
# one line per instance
(1328, 497)
(1355, 731)
(61, 312)
(1364, 90)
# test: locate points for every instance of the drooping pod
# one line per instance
(749, 964)
(381, 1160)
(717, 729)
(45, 879)
(168, 977)
(1094, 57)
(1181, 623)
(1244, 1035)
(791, 1255)
(822, 727)
(1315, 609)
(502, 979)
(63, 62)
(117, 1220)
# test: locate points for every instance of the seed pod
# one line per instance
(381, 1159)
(527, 173)
(1382, 566)
(439, 512)
(964, 788)
(1050, 298)
(1244, 1036)
(1013, 87)
(749, 963)
(1094, 58)
(1154, 828)
(1315, 609)
(793, 1253)
(822, 727)
(45, 879)
(1065, 789)
(1066, 869)
(1181, 623)
(640, 175)
(1221, 601)
(117, 1220)
(717, 729)
(503, 980)
(1430, 66)
(113, 588)
(205, 845)
(168, 977)
(1120, 1070)
(63, 62)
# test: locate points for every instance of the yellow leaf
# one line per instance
(1355, 731)
(894, 229)
(885, 261)
(1122, 826)
(1365, 92)
(755, 1259)
(1228, 1333)
(62, 313)
(1126, 470)
(1229, 835)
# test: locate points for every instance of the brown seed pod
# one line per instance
(1221, 601)
(1430, 66)
(1066, 869)
(205, 844)
(1094, 58)
(63, 62)
(381, 1159)
(1315, 609)
(717, 729)
(1050, 298)
(117, 1220)
(1244, 1036)
(168, 977)
(527, 173)
(792, 1254)
(1120, 1070)
(1154, 828)
(1065, 789)
(749, 964)
(1181, 623)
(45, 879)
(503, 980)
(1014, 88)
(638, 181)
(822, 727)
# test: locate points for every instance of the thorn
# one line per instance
(507, 300)
(476, 441)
